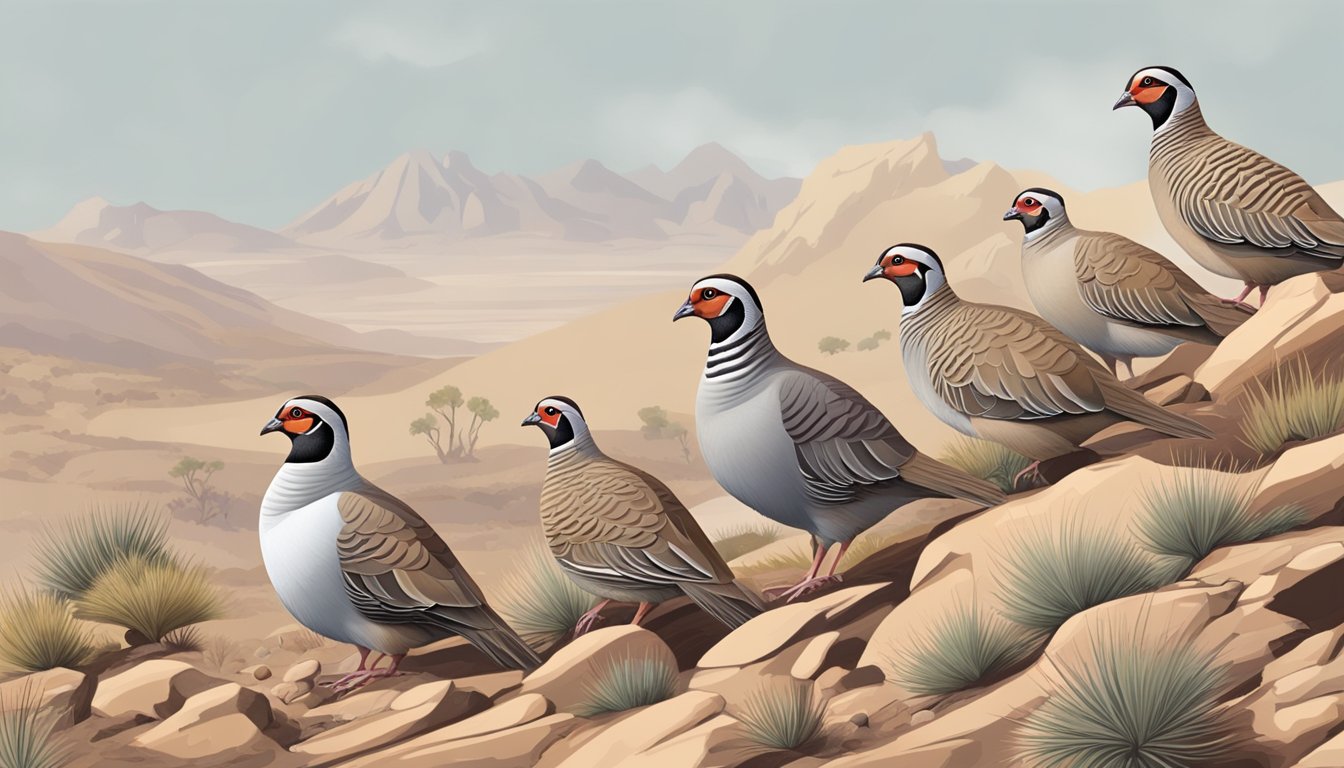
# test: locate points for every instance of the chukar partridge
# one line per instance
(620, 533)
(354, 563)
(1004, 375)
(1238, 213)
(1110, 294)
(798, 446)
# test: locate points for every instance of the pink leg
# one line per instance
(370, 675)
(1034, 468)
(1241, 299)
(811, 581)
(844, 547)
(359, 671)
(641, 612)
(587, 620)
(1264, 294)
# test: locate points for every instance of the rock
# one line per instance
(257, 671)
(154, 688)
(521, 745)
(859, 719)
(720, 742)
(813, 654)
(291, 693)
(305, 671)
(565, 678)
(225, 719)
(880, 705)
(921, 717)
(422, 708)
(1328, 755)
(359, 704)
(66, 691)
(777, 628)
(617, 743)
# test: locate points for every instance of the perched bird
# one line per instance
(1004, 375)
(1112, 295)
(621, 534)
(1237, 212)
(798, 446)
(354, 563)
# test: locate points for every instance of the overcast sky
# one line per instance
(256, 111)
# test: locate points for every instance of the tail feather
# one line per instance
(732, 603)
(1219, 317)
(504, 646)
(1136, 407)
(930, 473)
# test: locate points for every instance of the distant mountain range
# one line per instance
(420, 199)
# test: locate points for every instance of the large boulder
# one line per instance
(65, 691)
(619, 741)
(155, 688)
(226, 719)
(565, 679)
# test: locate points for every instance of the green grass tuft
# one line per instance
(152, 598)
(1198, 511)
(28, 737)
(71, 560)
(185, 640)
(1127, 703)
(736, 542)
(1295, 404)
(1049, 577)
(37, 632)
(784, 713)
(986, 460)
(628, 683)
(963, 648)
(539, 601)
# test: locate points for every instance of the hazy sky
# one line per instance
(256, 111)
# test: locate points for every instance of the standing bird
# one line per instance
(621, 534)
(1238, 213)
(1000, 374)
(798, 446)
(354, 563)
(1110, 294)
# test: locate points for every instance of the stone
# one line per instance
(62, 690)
(292, 692)
(513, 747)
(813, 654)
(921, 717)
(226, 719)
(154, 688)
(617, 743)
(257, 671)
(719, 742)
(420, 709)
(1328, 755)
(304, 671)
(859, 719)
(566, 677)
(777, 628)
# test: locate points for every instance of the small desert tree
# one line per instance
(882, 335)
(481, 412)
(658, 426)
(445, 401)
(428, 425)
(832, 345)
(866, 345)
(195, 475)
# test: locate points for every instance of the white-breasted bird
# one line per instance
(354, 563)
(799, 446)
(620, 533)
(1110, 294)
(1238, 213)
(1005, 375)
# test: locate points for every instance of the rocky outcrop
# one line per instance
(225, 719)
(66, 694)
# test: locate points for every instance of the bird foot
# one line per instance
(808, 586)
(1239, 304)
(359, 679)
(1032, 470)
(587, 620)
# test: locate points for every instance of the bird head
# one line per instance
(916, 270)
(314, 426)
(727, 302)
(1159, 91)
(559, 418)
(1036, 208)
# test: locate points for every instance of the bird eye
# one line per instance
(1147, 81)
(708, 293)
(296, 412)
(897, 260)
(550, 410)
(1028, 202)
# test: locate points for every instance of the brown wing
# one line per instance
(1125, 281)
(999, 363)
(398, 571)
(622, 523)
(1237, 196)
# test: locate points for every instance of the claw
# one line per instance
(1031, 470)
(808, 586)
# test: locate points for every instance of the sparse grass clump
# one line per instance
(539, 601)
(735, 542)
(1200, 510)
(221, 652)
(152, 598)
(629, 683)
(1130, 703)
(963, 648)
(1048, 577)
(784, 713)
(37, 632)
(28, 737)
(185, 639)
(986, 460)
(800, 558)
(1295, 404)
(71, 560)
